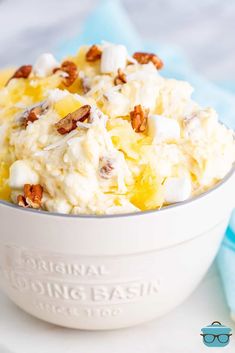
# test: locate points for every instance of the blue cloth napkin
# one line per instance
(110, 22)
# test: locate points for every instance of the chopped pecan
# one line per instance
(34, 113)
(107, 167)
(32, 196)
(23, 72)
(139, 118)
(120, 78)
(33, 116)
(145, 58)
(93, 54)
(70, 69)
(69, 122)
(21, 201)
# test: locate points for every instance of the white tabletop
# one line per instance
(179, 331)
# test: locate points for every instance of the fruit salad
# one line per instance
(103, 132)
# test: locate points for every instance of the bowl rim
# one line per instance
(122, 215)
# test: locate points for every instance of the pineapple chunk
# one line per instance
(27, 91)
(124, 138)
(148, 190)
(5, 75)
(90, 68)
(67, 105)
(36, 88)
(4, 187)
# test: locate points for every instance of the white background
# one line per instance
(205, 29)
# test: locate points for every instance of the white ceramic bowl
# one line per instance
(90, 272)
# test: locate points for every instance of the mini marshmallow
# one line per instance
(54, 95)
(44, 65)
(117, 104)
(113, 57)
(163, 129)
(20, 174)
(177, 189)
(58, 206)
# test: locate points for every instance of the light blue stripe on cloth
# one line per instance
(226, 264)
(110, 22)
(228, 85)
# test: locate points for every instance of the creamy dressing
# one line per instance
(103, 166)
